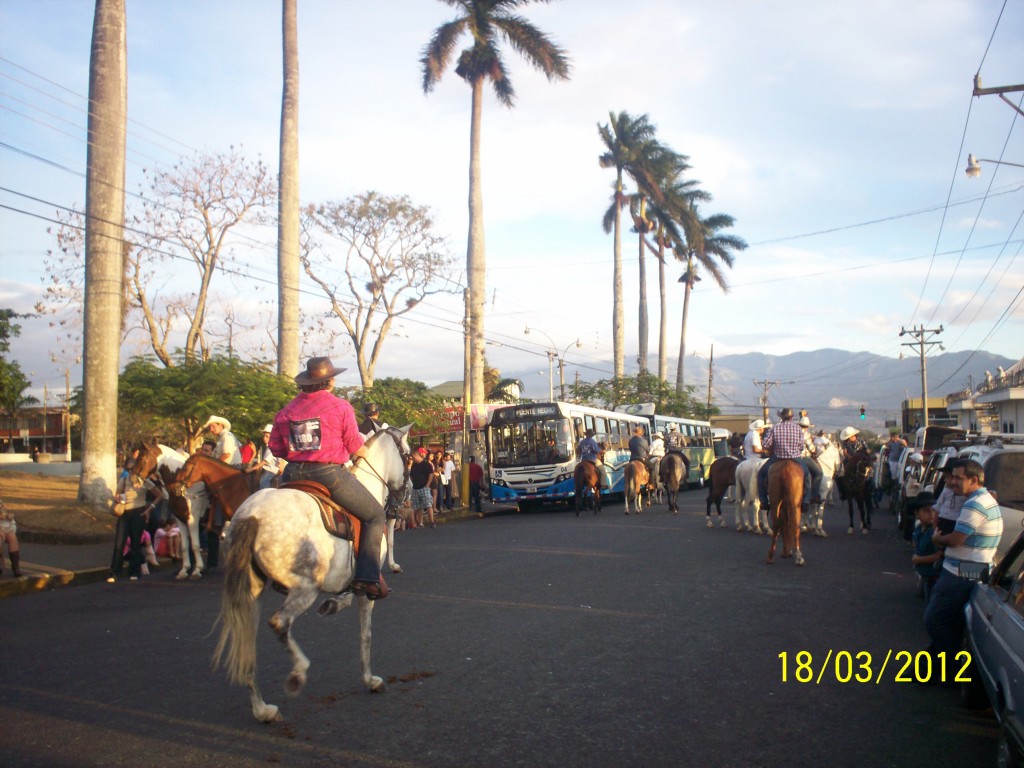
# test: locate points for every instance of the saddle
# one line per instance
(337, 520)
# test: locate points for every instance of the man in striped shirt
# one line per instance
(970, 549)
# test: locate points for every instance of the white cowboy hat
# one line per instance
(658, 434)
(268, 428)
(805, 422)
(673, 427)
(757, 424)
(847, 433)
(218, 420)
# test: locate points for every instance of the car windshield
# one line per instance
(1004, 475)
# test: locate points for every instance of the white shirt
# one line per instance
(449, 467)
(657, 450)
(227, 443)
(752, 445)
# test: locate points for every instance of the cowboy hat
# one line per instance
(673, 427)
(318, 369)
(847, 433)
(268, 428)
(786, 413)
(218, 420)
(658, 434)
(805, 422)
(757, 424)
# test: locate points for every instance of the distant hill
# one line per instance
(832, 384)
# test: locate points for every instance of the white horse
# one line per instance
(749, 515)
(277, 536)
(827, 460)
(191, 506)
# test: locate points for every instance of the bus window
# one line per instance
(589, 422)
(601, 425)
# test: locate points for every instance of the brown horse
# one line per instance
(675, 468)
(785, 495)
(587, 476)
(636, 479)
(857, 473)
(722, 474)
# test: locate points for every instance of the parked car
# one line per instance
(1004, 478)
(994, 636)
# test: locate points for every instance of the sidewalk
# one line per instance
(48, 566)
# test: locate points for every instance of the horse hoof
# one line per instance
(396, 568)
(181, 575)
(268, 713)
(376, 685)
(710, 524)
(864, 531)
(769, 561)
(723, 524)
(196, 574)
(850, 529)
(627, 511)
(801, 561)
(294, 683)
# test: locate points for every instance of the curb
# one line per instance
(44, 582)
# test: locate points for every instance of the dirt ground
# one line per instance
(47, 504)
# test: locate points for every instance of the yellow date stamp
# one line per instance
(865, 667)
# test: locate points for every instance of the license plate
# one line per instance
(531, 489)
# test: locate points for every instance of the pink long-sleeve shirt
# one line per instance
(316, 427)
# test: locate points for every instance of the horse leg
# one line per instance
(390, 540)
(370, 680)
(865, 518)
(849, 507)
(597, 497)
(771, 548)
(300, 597)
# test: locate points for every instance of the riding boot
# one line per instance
(16, 563)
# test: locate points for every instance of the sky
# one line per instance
(836, 134)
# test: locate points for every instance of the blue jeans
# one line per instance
(762, 480)
(349, 493)
(944, 615)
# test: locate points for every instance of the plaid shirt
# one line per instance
(785, 440)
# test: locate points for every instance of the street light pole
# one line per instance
(552, 356)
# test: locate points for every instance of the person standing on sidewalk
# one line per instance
(136, 497)
(9, 536)
(476, 479)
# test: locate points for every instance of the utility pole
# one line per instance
(767, 384)
(923, 343)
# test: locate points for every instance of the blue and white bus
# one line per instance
(531, 449)
(699, 438)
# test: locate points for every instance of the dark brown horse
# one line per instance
(587, 476)
(675, 468)
(636, 480)
(722, 474)
(785, 495)
(857, 473)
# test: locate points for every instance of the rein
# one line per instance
(395, 495)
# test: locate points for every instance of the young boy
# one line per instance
(927, 558)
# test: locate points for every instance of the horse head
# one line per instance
(387, 458)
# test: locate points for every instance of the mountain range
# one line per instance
(832, 384)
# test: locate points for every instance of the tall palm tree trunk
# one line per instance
(663, 300)
(104, 233)
(681, 365)
(288, 201)
(476, 258)
(642, 328)
(618, 314)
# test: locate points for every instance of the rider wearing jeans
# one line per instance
(783, 441)
(317, 433)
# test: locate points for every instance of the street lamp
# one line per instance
(973, 168)
(552, 356)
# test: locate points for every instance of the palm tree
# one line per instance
(104, 234)
(705, 248)
(630, 148)
(485, 21)
(671, 218)
(288, 201)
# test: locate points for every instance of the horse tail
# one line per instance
(239, 611)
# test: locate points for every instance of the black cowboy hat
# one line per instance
(923, 499)
(318, 369)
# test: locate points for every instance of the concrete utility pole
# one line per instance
(923, 344)
(711, 368)
(764, 397)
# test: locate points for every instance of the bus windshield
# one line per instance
(531, 441)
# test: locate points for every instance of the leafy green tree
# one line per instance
(401, 401)
(176, 401)
(643, 388)
(485, 21)
(12, 395)
(8, 329)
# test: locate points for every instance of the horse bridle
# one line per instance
(396, 496)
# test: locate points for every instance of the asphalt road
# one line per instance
(537, 639)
